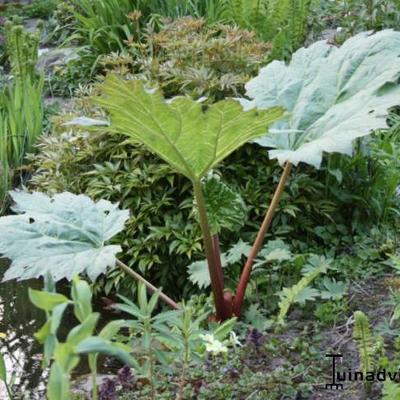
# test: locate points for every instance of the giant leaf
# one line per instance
(63, 235)
(187, 136)
(333, 95)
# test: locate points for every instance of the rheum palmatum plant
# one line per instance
(332, 95)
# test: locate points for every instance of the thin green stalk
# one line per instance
(10, 395)
(215, 275)
(94, 384)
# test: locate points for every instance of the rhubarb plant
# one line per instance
(191, 138)
(332, 97)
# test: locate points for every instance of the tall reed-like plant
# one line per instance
(21, 108)
(104, 25)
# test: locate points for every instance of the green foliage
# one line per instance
(21, 116)
(365, 341)
(334, 95)
(225, 208)
(375, 161)
(281, 22)
(391, 391)
(180, 132)
(166, 338)
(161, 224)
(273, 251)
(62, 236)
(40, 8)
(190, 139)
(187, 56)
(103, 25)
(4, 377)
(65, 356)
(301, 292)
(22, 50)
(289, 19)
(21, 109)
(151, 330)
(332, 290)
(198, 272)
(349, 17)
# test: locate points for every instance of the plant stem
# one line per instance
(149, 286)
(10, 395)
(245, 276)
(94, 384)
(213, 267)
(217, 257)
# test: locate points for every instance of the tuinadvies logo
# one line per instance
(338, 377)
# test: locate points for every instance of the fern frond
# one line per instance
(365, 341)
(300, 292)
(249, 14)
(287, 25)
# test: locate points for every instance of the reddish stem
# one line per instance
(217, 258)
(217, 285)
(245, 276)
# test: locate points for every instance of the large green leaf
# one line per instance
(192, 140)
(62, 235)
(333, 95)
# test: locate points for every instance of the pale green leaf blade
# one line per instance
(45, 300)
(333, 95)
(62, 236)
(198, 274)
(192, 140)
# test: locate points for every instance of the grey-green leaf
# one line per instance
(63, 236)
(333, 95)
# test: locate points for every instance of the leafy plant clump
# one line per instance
(283, 23)
(187, 56)
(21, 108)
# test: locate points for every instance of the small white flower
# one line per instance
(213, 345)
(234, 339)
(339, 29)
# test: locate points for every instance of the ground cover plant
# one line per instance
(206, 199)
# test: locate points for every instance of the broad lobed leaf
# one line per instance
(63, 236)
(333, 95)
(190, 139)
